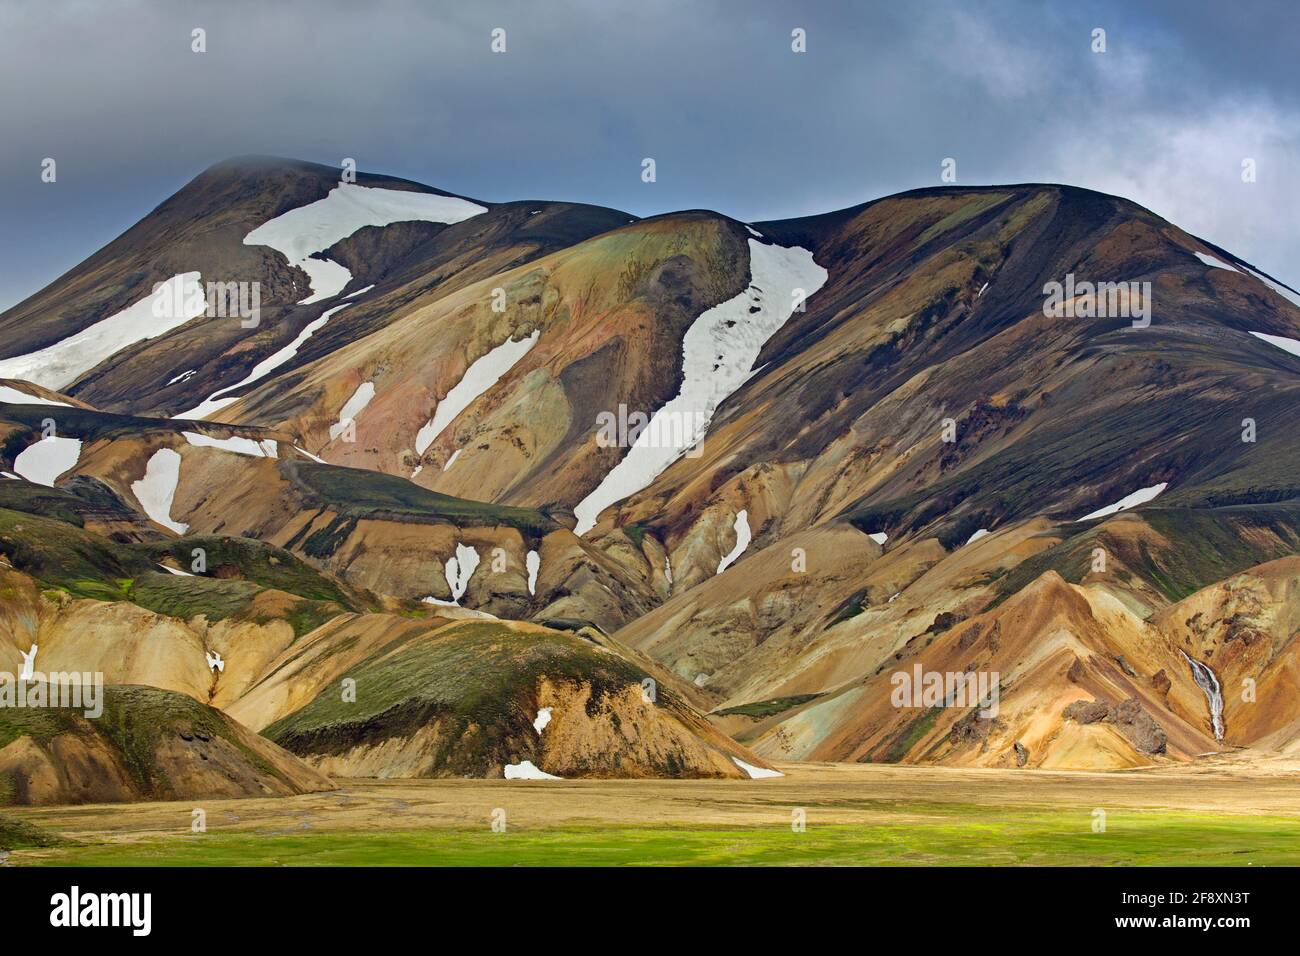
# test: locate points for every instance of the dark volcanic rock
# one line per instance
(972, 729)
(943, 621)
(969, 636)
(1139, 727)
(1087, 711)
(1022, 754)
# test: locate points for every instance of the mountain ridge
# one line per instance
(911, 443)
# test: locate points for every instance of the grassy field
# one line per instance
(855, 816)
(956, 837)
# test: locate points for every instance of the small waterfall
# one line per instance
(1206, 680)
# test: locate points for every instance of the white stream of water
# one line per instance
(1209, 683)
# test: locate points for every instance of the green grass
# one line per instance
(759, 709)
(135, 718)
(968, 210)
(1212, 545)
(184, 597)
(1204, 546)
(133, 721)
(305, 616)
(39, 723)
(850, 607)
(478, 676)
(17, 835)
(907, 738)
(64, 556)
(357, 493)
(83, 423)
(61, 504)
(947, 835)
(261, 563)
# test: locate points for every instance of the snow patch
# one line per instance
(205, 408)
(459, 568)
(181, 377)
(755, 773)
(1281, 341)
(718, 354)
(15, 397)
(44, 461)
(482, 374)
(879, 537)
(524, 770)
(533, 562)
(239, 446)
(157, 489)
(1209, 260)
(743, 537)
(1141, 496)
(306, 230)
(352, 408)
(171, 305)
(457, 571)
(28, 670)
(452, 460)
(214, 661)
(353, 295)
(184, 574)
(543, 718)
(261, 369)
(982, 532)
(315, 458)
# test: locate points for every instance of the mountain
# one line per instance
(148, 744)
(486, 459)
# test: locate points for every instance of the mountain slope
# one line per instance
(203, 229)
(771, 464)
(148, 744)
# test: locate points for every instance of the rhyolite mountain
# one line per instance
(900, 459)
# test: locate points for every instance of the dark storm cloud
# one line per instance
(712, 91)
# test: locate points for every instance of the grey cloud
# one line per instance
(735, 121)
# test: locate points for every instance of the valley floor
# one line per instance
(1225, 810)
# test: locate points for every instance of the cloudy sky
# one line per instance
(586, 89)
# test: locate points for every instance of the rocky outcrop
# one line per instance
(1139, 727)
(1087, 711)
(1129, 716)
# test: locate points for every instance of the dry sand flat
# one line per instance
(830, 794)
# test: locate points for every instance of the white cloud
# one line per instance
(1187, 168)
